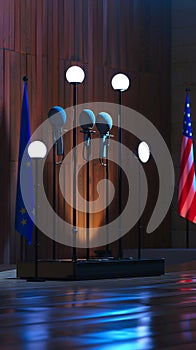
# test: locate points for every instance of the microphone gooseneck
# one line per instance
(104, 125)
(87, 122)
(57, 117)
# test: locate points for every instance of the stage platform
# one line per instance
(91, 269)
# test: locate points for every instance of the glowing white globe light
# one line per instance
(75, 74)
(143, 152)
(120, 82)
(37, 149)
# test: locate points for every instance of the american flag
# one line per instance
(187, 184)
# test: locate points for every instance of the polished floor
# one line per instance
(119, 314)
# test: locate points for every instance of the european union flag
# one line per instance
(23, 222)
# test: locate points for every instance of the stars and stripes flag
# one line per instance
(23, 222)
(187, 184)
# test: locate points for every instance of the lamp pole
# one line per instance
(143, 155)
(74, 75)
(120, 254)
(37, 150)
(107, 196)
(120, 82)
(74, 252)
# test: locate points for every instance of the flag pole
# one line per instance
(187, 233)
(187, 221)
(23, 224)
(25, 79)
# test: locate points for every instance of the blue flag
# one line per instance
(23, 222)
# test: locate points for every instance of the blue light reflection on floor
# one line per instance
(137, 337)
(127, 338)
(145, 344)
(34, 331)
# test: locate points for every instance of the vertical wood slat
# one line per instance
(71, 30)
(31, 17)
(1, 82)
(39, 68)
(126, 24)
(11, 11)
(49, 52)
(97, 33)
(90, 51)
(17, 27)
(15, 104)
(45, 28)
(7, 23)
(55, 53)
(4, 163)
(31, 73)
(85, 31)
(113, 31)
(23, 26)
(61, 24)
(1, 23)
(79, 31)
(2, 185)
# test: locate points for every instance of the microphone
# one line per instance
(57, 117)
(104, 125)
(87, 122)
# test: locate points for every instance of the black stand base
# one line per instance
(91, 269)
(34, 279)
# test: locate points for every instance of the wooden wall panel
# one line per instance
(15, 103)
(5, 249)
(7, 25)
(41, 39)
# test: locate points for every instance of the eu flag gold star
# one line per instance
(24, 222)
(22, 211)
(28, 164)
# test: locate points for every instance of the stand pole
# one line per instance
(139, 220)
(36, 213)
(107, 199)
(21, 249)
(119, 176)
(187, 233)
(86, 156)
(36, 277)
(87, 203)
(74, 252)
(54, 202)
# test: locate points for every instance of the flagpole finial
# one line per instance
(188, 89)
(25, 78)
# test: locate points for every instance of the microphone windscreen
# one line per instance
(103, 122)
(87, 119)
(57, 116)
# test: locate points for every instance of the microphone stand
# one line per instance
(54, 198)
(54, 153)
(87, 139)
(107, 196)
(106, 165)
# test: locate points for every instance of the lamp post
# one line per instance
(37, 150)
(120, 82)
(74, 75)
(143, 154)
